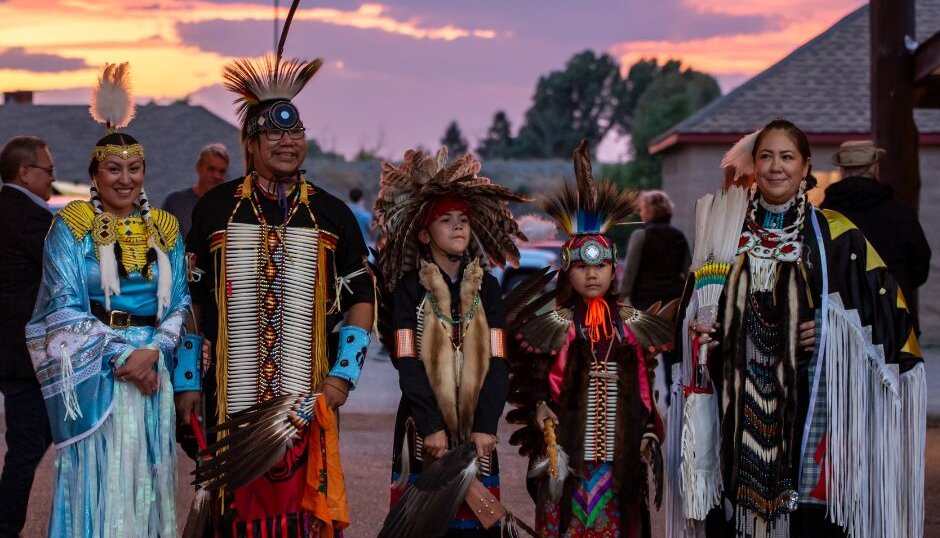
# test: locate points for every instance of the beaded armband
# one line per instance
(187, 364)
(353, 343)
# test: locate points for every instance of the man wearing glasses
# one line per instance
(277, 263)
(27, 172)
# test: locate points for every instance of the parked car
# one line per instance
(532, 257)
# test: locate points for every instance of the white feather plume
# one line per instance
(740, 158)
(537, 228)
(111, 101)
(556, 482)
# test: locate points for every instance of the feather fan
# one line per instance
(112, 103)
(258, 437)
(428, 507)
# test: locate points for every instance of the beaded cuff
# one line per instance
(353, 343)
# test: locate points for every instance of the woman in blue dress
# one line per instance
(110, 313)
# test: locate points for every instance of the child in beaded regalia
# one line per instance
(583, 375)
(447, 316)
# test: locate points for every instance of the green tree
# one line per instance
(569, 105)
(498, 143)
(454, 141)
(671, 96)
(315, 150)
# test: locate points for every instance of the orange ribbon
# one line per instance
(597, 320)
(325, 491)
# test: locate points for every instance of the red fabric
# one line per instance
(642, 373)
(819, 492)
(443, 205)
(556, 376)
(277, 492)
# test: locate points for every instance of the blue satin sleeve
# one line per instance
(72, 351)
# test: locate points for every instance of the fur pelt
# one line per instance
(629, 471)
(456, 385)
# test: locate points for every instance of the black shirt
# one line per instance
(413, 378)
(214, 210)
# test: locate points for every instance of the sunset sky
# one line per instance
(396, 71)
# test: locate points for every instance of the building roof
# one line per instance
(823, 86)
(172, 136)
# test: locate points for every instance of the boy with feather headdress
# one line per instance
(582, 368)
(447, 318)
(280, 262)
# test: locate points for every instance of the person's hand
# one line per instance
(544, 412)
(484, 442)
(807, 335)
(435, 444)
(335, 390)
(138, 369)
(705, 333)
(648, 447)
(187, 403)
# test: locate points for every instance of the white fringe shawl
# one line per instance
(677, 526)
(875, 433)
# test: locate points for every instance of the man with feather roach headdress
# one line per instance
(582, 367)
(280, 262)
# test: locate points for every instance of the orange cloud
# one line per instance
(742, 54)
(779, 9)
(143, 32)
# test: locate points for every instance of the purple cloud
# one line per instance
(404, 90)
(18, 58)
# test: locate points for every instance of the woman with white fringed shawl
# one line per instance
(817, 367)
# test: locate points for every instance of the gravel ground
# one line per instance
(366, 451)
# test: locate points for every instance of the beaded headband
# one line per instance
(101, 153)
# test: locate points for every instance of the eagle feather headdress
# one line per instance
(406, 191)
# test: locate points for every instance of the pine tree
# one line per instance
(454, 141)
(498, 141)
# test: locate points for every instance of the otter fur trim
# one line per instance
(456, 375)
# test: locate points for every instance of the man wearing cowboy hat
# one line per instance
(890, 226)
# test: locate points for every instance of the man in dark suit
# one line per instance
(27, 172)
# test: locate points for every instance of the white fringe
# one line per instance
(676, 524)
(913, 447)
(73, 410)
(700, 471)
(164, 280)
(556, 483)
(864, 483)
(110, 283)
